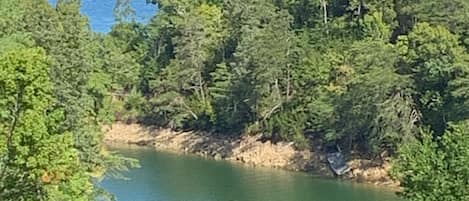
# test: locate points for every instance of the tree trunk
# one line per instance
(15, 114)
(324, 9)
(201, 88)
(288, 74)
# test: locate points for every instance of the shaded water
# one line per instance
(171, 177)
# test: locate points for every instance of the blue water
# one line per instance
(100, 12)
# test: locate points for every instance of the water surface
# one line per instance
(171, 177)
(100, 12)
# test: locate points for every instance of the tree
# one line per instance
(365, 74)
(10, 21)
(449, 14)
(432, 56)
(81, 88)
(308, 109)
(374, 106)
(265, 35)
(227, 117)
(201, 34)
(36, 163)
(184, 81)
(123, 11)
(306, 13)
(460, 91)
(435, 169)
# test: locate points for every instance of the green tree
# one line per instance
(438, 169)
(265, 35)
(185, 78)
(10, 21)
(36, 163)
(449, 14)
(374, 105)
(432, 57)
(123, 11)
(226, 116)
(365, 74)
(306, 13)
(308, 109)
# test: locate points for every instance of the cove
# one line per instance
(174, 177)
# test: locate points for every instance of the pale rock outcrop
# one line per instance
(249, 150)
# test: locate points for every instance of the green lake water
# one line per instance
(173, 177)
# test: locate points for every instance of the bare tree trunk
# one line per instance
(324, 9)
(360, 9)
(288, 83)
(288, 75)
(201, 88)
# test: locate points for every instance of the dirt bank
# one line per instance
(246, 149)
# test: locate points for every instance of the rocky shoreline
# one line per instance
(249, 150)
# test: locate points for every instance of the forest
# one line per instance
(381, 78)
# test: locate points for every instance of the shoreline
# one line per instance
(247, 150)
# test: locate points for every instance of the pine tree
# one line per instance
(184, 84)
(262, 59)
(374, 107)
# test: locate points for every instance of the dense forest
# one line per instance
(378, 77)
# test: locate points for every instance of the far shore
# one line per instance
(248, 150)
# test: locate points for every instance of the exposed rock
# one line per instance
(371, 172)
(217, 156)
(246, 149)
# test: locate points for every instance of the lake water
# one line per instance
(100, 12)
(171, 177)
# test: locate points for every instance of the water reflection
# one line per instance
(170, 177)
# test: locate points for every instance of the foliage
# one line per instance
(56, 91)
(11, 17)
(433, 57)
(365, 75)
(123, 11)
(449, 14)
(36, 162)
(435, 170)
(375, 107)
(360, 74)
